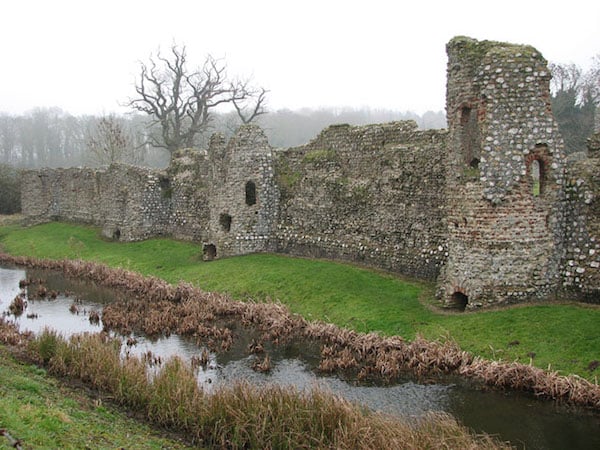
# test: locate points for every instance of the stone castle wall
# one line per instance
(373, 194)
(129, 203)
(581, 262)
(489, 209)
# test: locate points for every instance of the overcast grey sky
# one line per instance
(83, 56)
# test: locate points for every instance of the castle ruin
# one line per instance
(490, 209)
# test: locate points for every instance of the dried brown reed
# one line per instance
(263, 366)
(156, 307)
(94, 317)
(255, 347)
(243, 416)
(202, 360)
(18, 305)
(9, 333)
(546, 384)
(41, 291)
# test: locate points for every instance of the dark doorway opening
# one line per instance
(116, 234)
(458, 301)
(209, 252)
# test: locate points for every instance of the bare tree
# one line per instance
(181, 101)
(108, 143)
(565, 78)
(591, 81)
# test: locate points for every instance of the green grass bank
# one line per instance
(563, 337)
(45, 414)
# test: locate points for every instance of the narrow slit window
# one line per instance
(250, 193)
(536, 172)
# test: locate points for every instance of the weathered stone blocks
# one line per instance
(490, 208)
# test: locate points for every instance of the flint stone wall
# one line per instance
(489, 208)
(372, 194)
(129, 203)
(581, 264)
(505, 241)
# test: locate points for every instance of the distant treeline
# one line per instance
(50, 137)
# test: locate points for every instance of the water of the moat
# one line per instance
(519, 418)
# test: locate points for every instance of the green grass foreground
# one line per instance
(44, 414)
(563, 337)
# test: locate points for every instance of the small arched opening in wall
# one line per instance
(250, 193)
(225, 222)
(116, 234)
(537, 167)
(209, 252)
(458, 300)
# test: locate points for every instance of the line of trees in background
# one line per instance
(575, 102)
(53, 138)
(50, 137)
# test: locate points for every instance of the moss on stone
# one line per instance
(287, 179)
(473, 51)
(319, 156)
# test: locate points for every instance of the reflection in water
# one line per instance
(515, 417)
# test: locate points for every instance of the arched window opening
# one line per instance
(458, 301)
(536, 172)
(250, 193)
(225, 222)
(209, 252)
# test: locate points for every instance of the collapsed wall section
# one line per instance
(244, 199)
(371, 194)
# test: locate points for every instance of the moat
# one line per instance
(519, 418)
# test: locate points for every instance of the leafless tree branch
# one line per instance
(183, 101)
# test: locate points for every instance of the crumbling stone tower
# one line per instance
(243, 200)
(505, 176)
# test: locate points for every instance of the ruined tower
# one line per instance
(243, 197)
(505, 176)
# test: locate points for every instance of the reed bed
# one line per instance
(242, 416)
(157, 308)
(10, 335)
